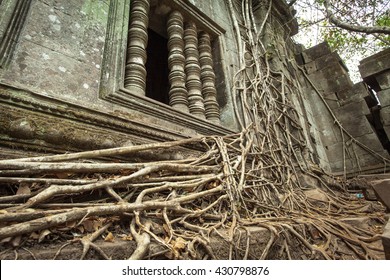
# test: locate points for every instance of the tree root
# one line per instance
(143, 241)
(226, 186)
(87, 243)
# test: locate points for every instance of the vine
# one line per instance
(240, 183)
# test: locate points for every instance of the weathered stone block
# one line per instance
(382, 190)
(310, 67)
(329, 60)
(332, 101)
(325, 165)
(44, 70)
(328, 137)
(315, 52)
(73, 28)
(369, 194)
(60, 50)
(371, 160)
(334, 152)
(338, 166)
(385, 116)
(383, 80)
(331, 79)
(387, 130)
(318, 106)
(370, 140)
(365, 161)
(375, 64)
(357, 127)
(384, 98)
(353, 109)
(352, 118)
(354, 94)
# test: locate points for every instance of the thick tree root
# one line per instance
(226, 187)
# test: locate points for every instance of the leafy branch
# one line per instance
(352, 27)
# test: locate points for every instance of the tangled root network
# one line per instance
(251, 195)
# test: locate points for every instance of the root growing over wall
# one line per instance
(251, 179)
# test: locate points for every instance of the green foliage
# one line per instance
(383, 20)
(315, 26)
(345, 42)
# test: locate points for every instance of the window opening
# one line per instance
(192, 86)
(157, 84)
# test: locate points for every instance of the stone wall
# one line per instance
(375, 71)
(334, 98)
(62, 67)
(62, 71)
(56, 77)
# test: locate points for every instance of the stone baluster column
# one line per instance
(207, 77)
(178, 95)
(135, 71)
(192, 70)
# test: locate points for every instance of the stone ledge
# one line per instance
(29, 120)
(374, 64)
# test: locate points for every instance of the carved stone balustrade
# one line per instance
(178, 95)
(135, 71)
(207, 76)
(192, 70)
(191, 75)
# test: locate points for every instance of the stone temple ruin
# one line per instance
(203, 88)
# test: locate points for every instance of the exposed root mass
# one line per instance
(256, 179)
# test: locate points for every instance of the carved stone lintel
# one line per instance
(192, 70)
(135, 71)
(207, 76)
(176, 62)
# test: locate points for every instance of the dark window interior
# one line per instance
(157, 84)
